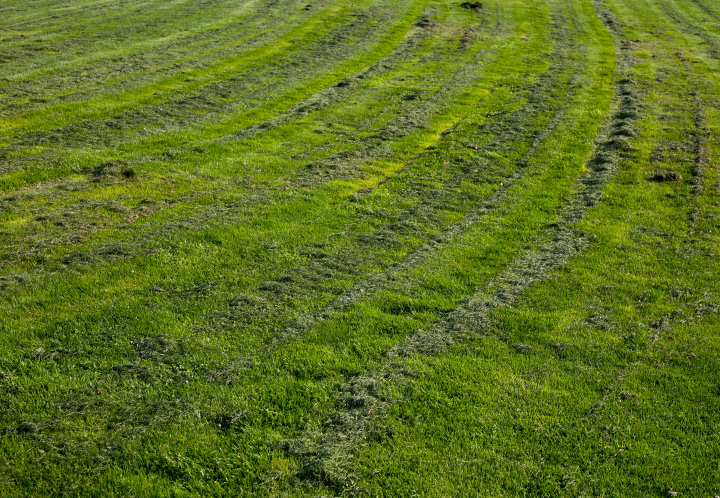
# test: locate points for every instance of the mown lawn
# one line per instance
(384, 248)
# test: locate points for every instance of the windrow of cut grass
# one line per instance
(196, 151)
(84, 115)
(550, 413)
(365, 397)
(290, 248)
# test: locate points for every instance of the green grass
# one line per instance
(384, 248)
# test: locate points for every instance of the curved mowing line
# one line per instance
(696, 11)
(135, 237)
(73, 10)
(253, 58)
(278, 99)
(452, 84)
(90, 26)
(706, 8)
(370, 286)
(699, 110)
(713, 49)
(183, 41)
(333, 95)
(326, 459)
(258, 55)
(698, 119)
(700, 151)
(384, 66)
(102, 21)
(387, 62)
(174, 109)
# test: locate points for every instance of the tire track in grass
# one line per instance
(326, 457)
(698, 111)
(699, 148)
(699, 136)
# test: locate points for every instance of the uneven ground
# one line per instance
(379, 247)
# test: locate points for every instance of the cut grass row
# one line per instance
(258, 327)
(113, 316)
(555, 417)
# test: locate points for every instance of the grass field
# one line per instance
(359, 248)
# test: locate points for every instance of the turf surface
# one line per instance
(383, 248)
